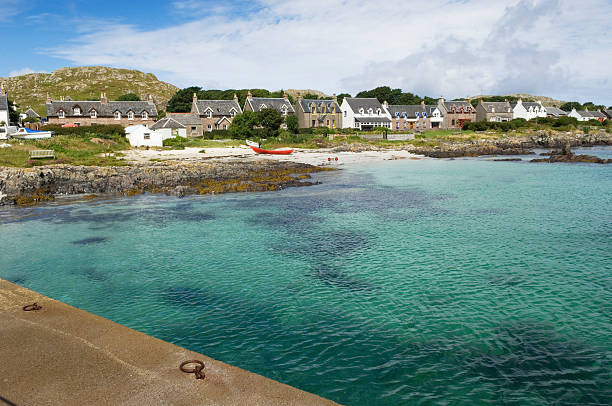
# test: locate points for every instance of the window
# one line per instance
(145, 115)
(225, 126)
(76, 111)
(117, 115)
(209, 114)
(345, 114)
(61, 114)
(233, 113)
(361, 111)
(453, 122)
(370, 111)
(147, 136)
(313, 109)
(327, 123)
(93, 114)
(130, 115)
(378, 112)
(209, 127)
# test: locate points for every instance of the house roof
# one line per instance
(497, 107)
(411, 110)
(185, 118)
(597, 114)
(533, 105)
(306, 104)
(3, 102)
(458, 105)
(373, 119)
(363, 103)
(102, 109)
(607, 113)
(555, 111)
(166, 122)
(218, 107)
(31, 113)
(276, 103)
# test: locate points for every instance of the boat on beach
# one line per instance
(28, 134)
(272, 152)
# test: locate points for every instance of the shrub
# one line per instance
(100, 131)
(292, 124)
(176, 142)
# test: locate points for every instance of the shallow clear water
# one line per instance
(402, 282)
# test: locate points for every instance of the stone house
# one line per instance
(494, 111)
(280, 104)
(215, 114)
(85, 113)
(419, 117)
(555, 112)
(528, 110)
(313, 113)
(456, 113)
(191, 121)
(364, 114)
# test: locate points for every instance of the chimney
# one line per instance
(150, 98)
(249, 95)
(2, 91)
(386, 104)
(103, 98)
(285, 96)
(195, 97)
(468, 100)
(423, 103)
(235, 97)
(48, 98)
(335, 97)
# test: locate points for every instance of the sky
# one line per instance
(450, 48)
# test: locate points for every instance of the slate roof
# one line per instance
(533, 105)
(305, 105)
(366, 103)
(3, 102)
(497, 107)
(102, 109)
(458, 105)
(257, 103)
(31, 113)
(185, 118)
(373, 119)
(166, 122)
(218, 107)
(590, 114)
(597, 114)
(407, 110)
(607, 113)
(556, 112)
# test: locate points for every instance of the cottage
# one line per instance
(364, 114)
(586, 115)
(280, 104)
(456, 113)
(555, 112)
(419, 117)
(215, 114)
(170, 127)
(30, 113)
(86, 113)
(528, 110)
(494, 111)
(4, 107)
(141, 136)
(607, 113)
(318, 113)
(191, 121)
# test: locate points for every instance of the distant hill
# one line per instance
(85, 83)
(546, 101)
(295, 92)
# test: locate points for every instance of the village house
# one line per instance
(170, 127)
(528, 110)
(216, 114)
(85, 113)
(607, 113)
(318, 113)
(494, 111)
(4, 107)
(29, 113)
(280, 104)
(586, 115)
(191, 121)
(364, 114)
(555, 112)
(419, 117)
(141, 136)
(456, 113)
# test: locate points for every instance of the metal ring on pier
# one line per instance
(32, 307)
(197, 369)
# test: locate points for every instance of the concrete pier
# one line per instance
(60, 355)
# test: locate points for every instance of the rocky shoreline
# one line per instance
(28, 186)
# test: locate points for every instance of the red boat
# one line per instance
(272, 152)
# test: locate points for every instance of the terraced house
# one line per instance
(418, 117)
(85, 113)
(364, 114)
(313, 113)
(528, 110)
(494, 111)
(215, 114)
(280, 104)
(456, 113)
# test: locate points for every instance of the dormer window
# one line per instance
(145, 115)
(117, 115)
(93, 114)
(378, 111)
(233, 113)
(284, 109)
(492, 109)
(130, 115)
(313, 109)
(76, 111)
(361, 111)
(370, 111)
(454, 109)
(61, 114)
(263, 106)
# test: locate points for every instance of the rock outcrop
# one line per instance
(567, 156)
(31, 185)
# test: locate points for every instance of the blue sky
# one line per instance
(451, 48)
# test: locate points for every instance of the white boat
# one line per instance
(27, 134)
(252, 144)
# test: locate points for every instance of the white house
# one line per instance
(586, 115)
(364, 114)
(528, 110)
(141, 136)
(4, 107)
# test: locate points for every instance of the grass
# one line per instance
(73, 150)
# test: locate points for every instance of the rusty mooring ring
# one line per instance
(31, 307)
(197, 370)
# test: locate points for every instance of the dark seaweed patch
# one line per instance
(91, 240)
(333, 277)
(93, 274)
(18, 279)
(186, 296)
(489, 212)
(506, 280)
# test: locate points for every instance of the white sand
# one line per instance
(308, 156)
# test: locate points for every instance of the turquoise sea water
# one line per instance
(403, 282)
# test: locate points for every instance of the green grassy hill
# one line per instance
(85, 83)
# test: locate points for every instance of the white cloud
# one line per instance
(24, 71)
(9, 8)
(446, 47)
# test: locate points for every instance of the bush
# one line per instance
(292, 124)
(176, 142)
(100, 131)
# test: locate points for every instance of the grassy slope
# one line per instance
(85, 83)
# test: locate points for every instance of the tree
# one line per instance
(571, 105)
(270, 120)
(13, 113)
(395, 96)
(182, 100)
(242, 125)
(341, 97)
(128, 97)
(292, 124)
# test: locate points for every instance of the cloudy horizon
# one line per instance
(451, 48)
